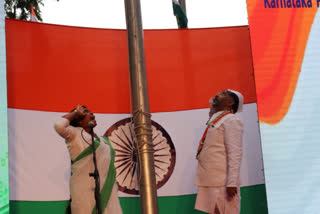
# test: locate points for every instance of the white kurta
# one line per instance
(219, 165)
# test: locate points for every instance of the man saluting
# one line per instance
(219, 156)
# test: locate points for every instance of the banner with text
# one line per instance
(286, 52)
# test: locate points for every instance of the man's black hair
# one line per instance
(76, 120)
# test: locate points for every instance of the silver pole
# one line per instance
(140, 101)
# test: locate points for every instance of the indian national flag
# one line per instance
(66, 66)
(33, 16)
(180, 14)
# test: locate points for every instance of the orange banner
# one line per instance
(279, 37)
(54, 68)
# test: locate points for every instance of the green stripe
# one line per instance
(38, 207)
(108, 184)
(253, 201)
(87, 151)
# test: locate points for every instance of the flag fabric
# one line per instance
(180, 14)
(179, 90)
(33, 16)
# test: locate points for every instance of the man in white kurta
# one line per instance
(219, 157)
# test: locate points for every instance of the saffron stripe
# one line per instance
(187, 83)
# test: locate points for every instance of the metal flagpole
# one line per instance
(140, 101)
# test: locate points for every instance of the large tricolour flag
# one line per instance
(66, 66)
